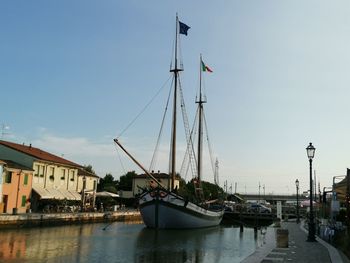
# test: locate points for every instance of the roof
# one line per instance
(14, 165)
(82, 172)
(38, 153)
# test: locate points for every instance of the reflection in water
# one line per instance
(218, 244)
(44, 243)
(12, 247)
(126, 243)
(176, 245)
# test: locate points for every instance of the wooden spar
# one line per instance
(138, 164)
(200, 128)
(173, 133)
(173, 143)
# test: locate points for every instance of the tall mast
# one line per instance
(200, 121)
(175, 71)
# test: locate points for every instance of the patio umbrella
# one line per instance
(105, 193)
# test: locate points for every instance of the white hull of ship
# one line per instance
(170, 211)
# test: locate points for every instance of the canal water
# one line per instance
(122, 242)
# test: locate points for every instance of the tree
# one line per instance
(210, 191)
(108, 183)
(89, 169)
(125, 181)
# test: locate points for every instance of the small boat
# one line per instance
(163, 207)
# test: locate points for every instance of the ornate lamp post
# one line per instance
(310, 154)
(297, 186)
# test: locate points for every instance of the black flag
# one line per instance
(183, 28)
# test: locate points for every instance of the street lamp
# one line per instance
(297, 186)
(83, 201)
(310, 154)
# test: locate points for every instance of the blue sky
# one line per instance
(73, 74)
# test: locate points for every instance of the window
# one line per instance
(42, 169)
(25, 179)
(72, 176)
(95, 185)
(63, 174)
(8, 177)
(52, 172)
(24, 200)
(36, 170)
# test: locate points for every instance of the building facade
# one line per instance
(143, 181)
(87, 186)
(16, 188)
(54, 178)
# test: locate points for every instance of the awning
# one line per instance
(58, 194)
(44, 194)
(70, 194)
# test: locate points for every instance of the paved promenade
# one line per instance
(299, 249)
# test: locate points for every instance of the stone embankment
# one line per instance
(52, 219)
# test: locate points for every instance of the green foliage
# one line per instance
(109, 179)
(125, 182)
(210, 191)
(89, 169)
(186, 190)
(108, 184)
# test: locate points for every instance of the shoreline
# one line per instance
(29, 220)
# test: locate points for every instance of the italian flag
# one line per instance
(206, 68)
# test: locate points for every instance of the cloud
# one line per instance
(73, 146)
(101, 155)
(106, 157)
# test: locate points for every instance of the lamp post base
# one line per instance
(311, 237)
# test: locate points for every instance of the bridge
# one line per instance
(288, 207)
(272, 198)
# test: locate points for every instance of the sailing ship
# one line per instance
(163, 207)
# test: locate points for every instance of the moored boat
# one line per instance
(163, 207)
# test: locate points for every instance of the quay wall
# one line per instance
(54, 219)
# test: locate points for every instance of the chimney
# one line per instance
(30, 146)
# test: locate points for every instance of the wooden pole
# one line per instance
(138, 164)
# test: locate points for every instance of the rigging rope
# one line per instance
(120, 160)
(185, 163)
(144, 108)
(191, 152)
(209, 145)
(155, 153)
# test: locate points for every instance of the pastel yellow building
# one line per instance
(54, 178)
